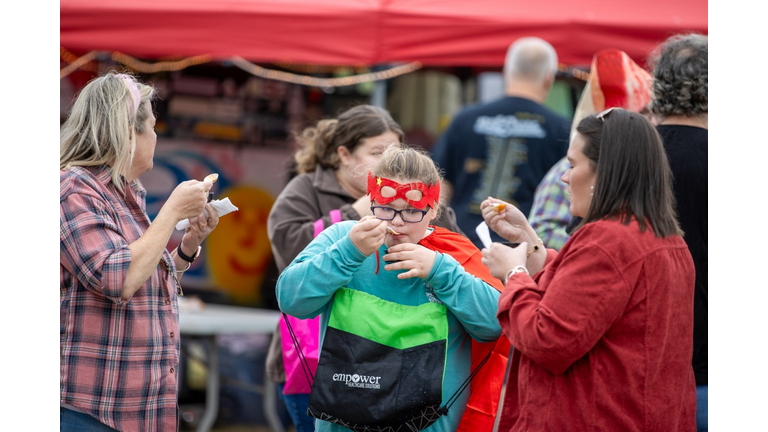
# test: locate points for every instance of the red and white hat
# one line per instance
(614, 81)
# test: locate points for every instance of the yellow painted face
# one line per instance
(239, 250)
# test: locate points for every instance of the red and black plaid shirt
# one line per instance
(119, 359)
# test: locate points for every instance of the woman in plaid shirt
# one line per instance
(119, 326)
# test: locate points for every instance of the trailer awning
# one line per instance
(349, 32)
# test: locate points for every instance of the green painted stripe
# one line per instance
(391, 324)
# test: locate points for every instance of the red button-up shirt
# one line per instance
(119, 358)
(602, 336)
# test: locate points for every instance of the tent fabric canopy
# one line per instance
(349, 32)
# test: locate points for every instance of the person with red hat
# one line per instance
(614, 81)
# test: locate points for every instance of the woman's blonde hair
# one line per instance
(102, 125)
(409, 163)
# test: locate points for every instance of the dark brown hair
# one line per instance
(633, 174)
(319, 143)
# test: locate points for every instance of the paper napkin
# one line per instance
(222, 207)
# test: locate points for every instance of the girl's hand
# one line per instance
(414, 258)
(368, 234)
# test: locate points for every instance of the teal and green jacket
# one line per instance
(331, 261)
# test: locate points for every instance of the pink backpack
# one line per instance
(301, 341)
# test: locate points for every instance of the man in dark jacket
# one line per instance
(505, 147)
(680, 100)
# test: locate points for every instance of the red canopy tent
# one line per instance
(336, 32)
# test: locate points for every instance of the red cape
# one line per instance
(485, 388)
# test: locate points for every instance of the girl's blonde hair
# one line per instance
(409, 163)
(102, 125)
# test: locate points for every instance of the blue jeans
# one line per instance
(296, 405)
(73, 421)
(702, 408)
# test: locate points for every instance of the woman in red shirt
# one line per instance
(601, 331)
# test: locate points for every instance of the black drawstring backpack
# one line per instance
(381, 365)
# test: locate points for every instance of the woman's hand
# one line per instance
(509, 223)
(414, 258)
(199, 228)
(368, 234)
(188, 199)
(500, 259)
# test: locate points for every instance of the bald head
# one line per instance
(532, 60)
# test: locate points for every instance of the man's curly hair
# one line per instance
(680, 79)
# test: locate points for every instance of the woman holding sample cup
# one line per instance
(119, 324)
(601, 331)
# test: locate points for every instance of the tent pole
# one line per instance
(379, 93)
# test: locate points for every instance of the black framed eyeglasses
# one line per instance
(605, 113)
(407, 215)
